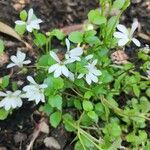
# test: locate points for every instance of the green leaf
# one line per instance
(55, 101)
(55, 119)
(95, 17)
(5, 81)
(20, 29)
(23, 15)
(69, 122)
(88, 95)
(54, 83)
(77, 104)
(2, 47)
(93, 116)
(118, 4)
(3, 114)
(106, 77)
(78, 146)
(148, 92)
(59, 34)
(87, 105)
(40, 39)
(136, 90)
(76, 37)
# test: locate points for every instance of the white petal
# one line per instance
(93, 77)
(134, 27)
(29, 28)
(136, 42)
(54, 56)
(120, 35)
(69, 61)
(78, 51)
(35, 24)
(88, 79)
(53, 68)
(11, 65)
(89, 57)
(123, 29)
(71, 76)
(30, 15)
(21, 56)
(3, 94)
(123, 42)
(65, 71)
(67, 44)
(27, 62)
(14, 59)
(94, 62)
(97, 72)
(57, 72)
(19, 22)
(80, 76)
(17, 93)
(31, 80)
(43, 86)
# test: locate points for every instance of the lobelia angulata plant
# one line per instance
(111, 101)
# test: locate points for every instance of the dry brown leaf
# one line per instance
(4, 28)
(43, 127)
(51, 142)
(119, 57)
(3, 59)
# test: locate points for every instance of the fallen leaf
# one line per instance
(4, 28)
(3, 59)
(43, 127)
(51, 142)
(20, 137)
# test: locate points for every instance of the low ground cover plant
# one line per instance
(83, 83)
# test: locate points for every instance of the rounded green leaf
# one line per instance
(2, 47)
(87, 105)
(55, 119)
(76, 37)
(95, 17)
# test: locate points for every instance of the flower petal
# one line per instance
(30, 15)
(19, 22)
(136, 42)
(134, 27)
(3, 94)
(57, 72)
(78, 51)
(120, 35)
(11, 65)
(54, 56)
(67, 44)
(53, 68)
(123, 29)
(80, 76)
(123, 42)
(31, 80)
(89, 57)
(65, 71)
(88, 79)
(21, 56)
(27, 62)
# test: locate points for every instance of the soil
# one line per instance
(55, 14)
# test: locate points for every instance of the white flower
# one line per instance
(11, 100)
(93, 72)
(73, 54)
(31, 23)
(18, 60)
(34, 91)
(148, 71)
(126, 35)
(60, 67)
